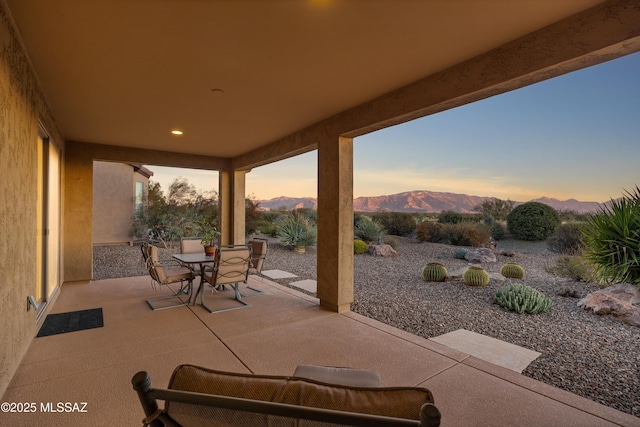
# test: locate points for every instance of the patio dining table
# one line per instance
(191, 259)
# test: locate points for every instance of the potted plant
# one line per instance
(209, 234)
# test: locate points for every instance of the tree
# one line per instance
(496, 208)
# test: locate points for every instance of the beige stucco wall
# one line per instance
(113, 202)
(22, 105)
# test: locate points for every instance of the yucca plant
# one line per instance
(297, 231)
(522, 299)
(612, 238)
(368, 230)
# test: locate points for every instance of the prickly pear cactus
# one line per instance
(512, 270)
(476, 276)
(434, 272)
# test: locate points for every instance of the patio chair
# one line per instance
(198, 396)
(258, 256)
(192, 245)
(231, 267)
(166, 273)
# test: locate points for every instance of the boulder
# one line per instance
(480, 255)
(381, 250)
(620, 301)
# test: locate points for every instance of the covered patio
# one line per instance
(282, 329)
(248, 83)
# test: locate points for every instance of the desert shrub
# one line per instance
(466, 234)
(396, 223)
(532, 221)
(430, 231)
(266, 227)
(575, 268)
(612, 238)
(434, 272)
(568, 239)
(460, 253)
(496, 208)
(391, 241)
(296, 230)
(497, 231)
(450, 217)
(359, 247)
(476, 276)
(522, 299)
(368, 230)
(512, 270)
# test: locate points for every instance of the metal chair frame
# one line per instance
(228, 271)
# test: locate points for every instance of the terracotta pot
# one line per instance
(210, 250)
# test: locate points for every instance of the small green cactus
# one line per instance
(359, 247)
(434, 272)
(460, 253)
(512, 270)
(476, 276)
(522, 299)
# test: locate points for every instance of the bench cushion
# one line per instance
(399, 402)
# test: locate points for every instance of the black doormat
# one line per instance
(72, 321)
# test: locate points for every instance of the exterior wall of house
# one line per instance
(22, 106)
(114, 191)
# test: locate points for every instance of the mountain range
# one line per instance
(422, 201)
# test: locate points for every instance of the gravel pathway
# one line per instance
(592, 356)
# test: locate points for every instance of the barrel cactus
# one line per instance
(476, 276)
(522, 299)
(460, 253)
(434, 272)
(359, 247)
(512, 270)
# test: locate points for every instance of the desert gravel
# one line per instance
(592, 356)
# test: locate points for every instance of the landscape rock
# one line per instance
(480, 255)
(381, 250)
(620, 301)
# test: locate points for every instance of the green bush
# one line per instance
(450, 217)
(568, 239)
(368, 230)
(522, 299)
(497, 231)
(532, 221)
(612, 239)
(476, 276)
(434, 272)
(574, 267)
(430, 231)
(297, 230)
(359, 247)
(396, 223)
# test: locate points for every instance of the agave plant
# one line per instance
(612, 238)
(297, 231)
(368, 230)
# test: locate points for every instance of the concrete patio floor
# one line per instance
(280, 330)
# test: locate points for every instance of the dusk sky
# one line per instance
(575, 136)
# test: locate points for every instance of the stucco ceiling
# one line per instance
(235, 75)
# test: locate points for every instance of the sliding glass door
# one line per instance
(48, 221)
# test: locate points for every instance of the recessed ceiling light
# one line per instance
(176, 132)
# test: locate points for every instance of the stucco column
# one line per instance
(335, 223)
(231, 196)
(78, 214)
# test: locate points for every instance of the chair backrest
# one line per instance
(191, 245)
(232, 264)
(156, 271)
(258, 253)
